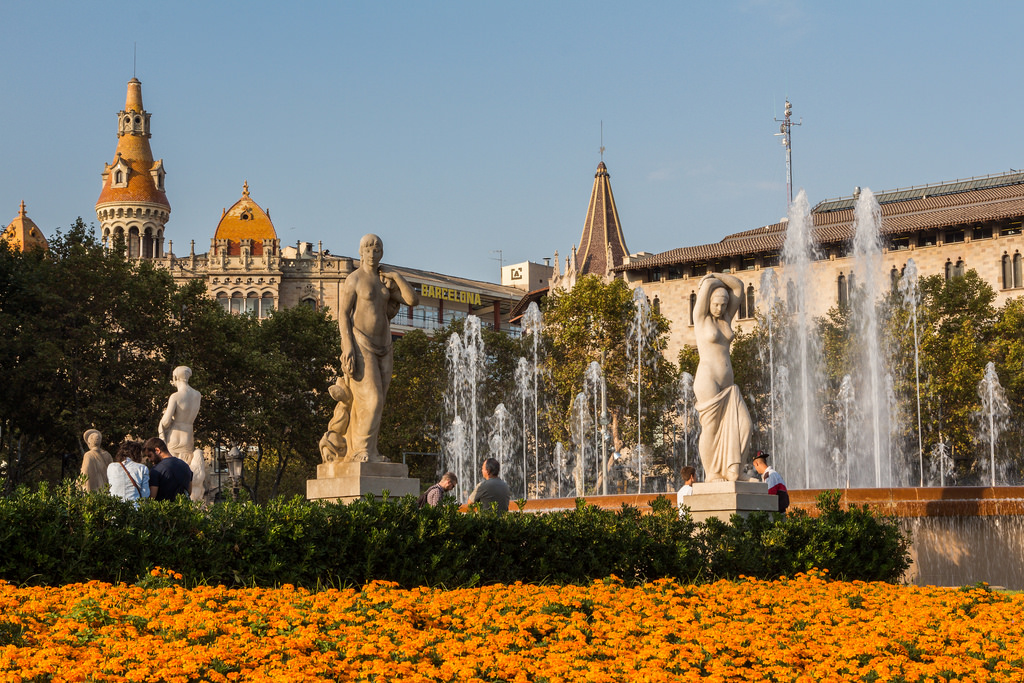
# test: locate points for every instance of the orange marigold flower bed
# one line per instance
(801, 629)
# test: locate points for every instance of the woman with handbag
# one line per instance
(128, 477)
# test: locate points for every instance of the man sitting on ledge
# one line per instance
(491, 489)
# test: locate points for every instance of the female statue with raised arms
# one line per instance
(725, 423)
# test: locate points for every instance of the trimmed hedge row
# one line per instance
(57, 535)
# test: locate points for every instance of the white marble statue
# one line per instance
(370, 297)
(725, 423)
(94, 462)
(182, 407)
(198, 467)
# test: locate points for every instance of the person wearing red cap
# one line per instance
(776, 485)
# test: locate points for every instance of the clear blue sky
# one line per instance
(454, 129)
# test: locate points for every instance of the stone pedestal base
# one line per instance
(347, 481)
(722, 499)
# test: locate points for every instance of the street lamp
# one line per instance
(235, 461)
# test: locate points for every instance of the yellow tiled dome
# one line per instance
(23, 234)
(245, 220)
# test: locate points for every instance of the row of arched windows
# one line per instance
(249, 304)
(146, 243)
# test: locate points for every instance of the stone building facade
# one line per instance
(247, 269)
(946, 228)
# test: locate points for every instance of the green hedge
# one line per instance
(54, 536)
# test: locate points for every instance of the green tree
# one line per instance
(957, 326)
(84, 333)
(1008, 354)
(594, 318)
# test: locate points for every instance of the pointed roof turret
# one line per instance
(23, 234)
(133, 176)
(602, 233)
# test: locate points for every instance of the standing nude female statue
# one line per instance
(725, 423)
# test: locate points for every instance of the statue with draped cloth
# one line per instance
(725, 422)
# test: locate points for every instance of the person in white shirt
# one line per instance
(689, 476)
(128, 477)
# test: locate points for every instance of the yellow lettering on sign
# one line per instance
(449, 294)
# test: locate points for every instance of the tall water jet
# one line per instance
(524, 375)
(910, 290)
(593, 381)
(561, 465)
(533, 324)
(581, 426)
(941, 464)
(465, 359)
(867, 256)
(847, 401)
(803, 357)
(473, 355)
(780, 380)
(457, 452)
(640, 331)
(687, 412)
(891, 405)
(768, 298)
(994, 411)
(499, 440)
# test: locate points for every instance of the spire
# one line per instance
(133, 201)
(602, 233)
(133, 101)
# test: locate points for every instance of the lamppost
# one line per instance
(235, 461)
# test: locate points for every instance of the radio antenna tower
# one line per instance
(786, 131)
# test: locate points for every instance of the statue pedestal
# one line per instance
(347, 481)
(722, 499)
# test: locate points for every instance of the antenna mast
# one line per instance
(786, 131)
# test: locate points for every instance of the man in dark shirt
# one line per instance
(170, 476)
(491, 489)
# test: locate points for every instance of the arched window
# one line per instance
(309, 301)
(236, 303)
(119, 177)
(147, 244)
(656, 304)
(693, 304)
(791, 302)
(252, 304)
(266, 305)
(1007, 272)
(844, 294)
(959, 268)
(224, 301)
(1018, 267)
(949, 269)
(133, 243)
(743, 307)
(750, 300)
(894, 278)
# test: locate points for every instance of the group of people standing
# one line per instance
(138, 470)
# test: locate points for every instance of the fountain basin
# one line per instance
(960, 535)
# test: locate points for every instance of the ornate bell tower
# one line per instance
(133, 205)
